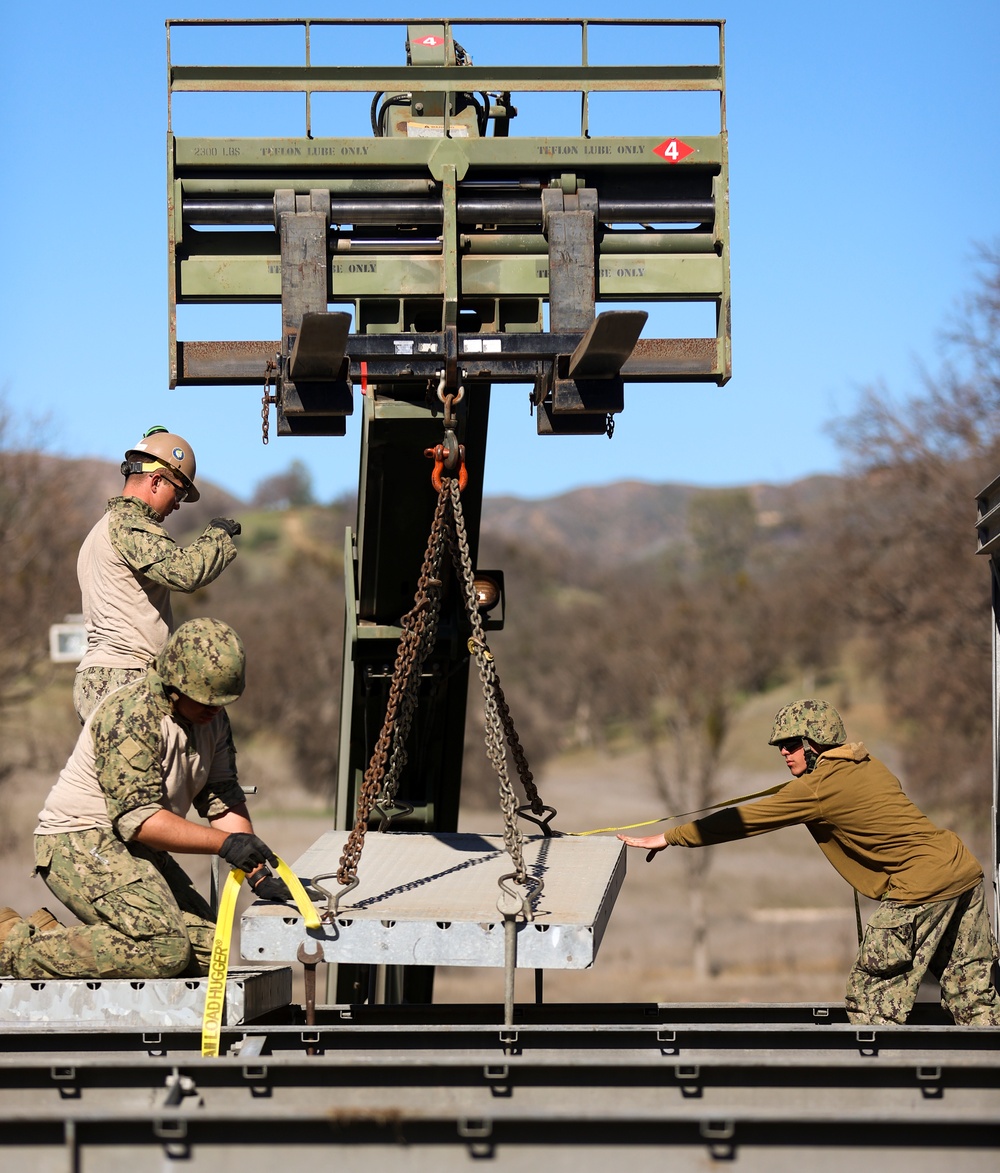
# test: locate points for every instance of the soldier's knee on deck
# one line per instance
(167, 954)
(170, 955)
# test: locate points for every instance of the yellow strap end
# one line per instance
(305, 905)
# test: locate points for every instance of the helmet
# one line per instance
(204, 660)
(816, 720)
(159, 448)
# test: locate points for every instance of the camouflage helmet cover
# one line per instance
(204, 660)
(159, 448)
(816, 720)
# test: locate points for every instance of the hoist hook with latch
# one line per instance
(449, 455)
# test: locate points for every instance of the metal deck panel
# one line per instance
(146, 1004)
(431, 899)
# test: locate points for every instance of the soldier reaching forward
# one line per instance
(932, 915)
(149, 752)
(129, 564)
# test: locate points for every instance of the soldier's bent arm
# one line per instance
(147, 548)
(165, 831)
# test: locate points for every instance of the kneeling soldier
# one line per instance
(147, 754)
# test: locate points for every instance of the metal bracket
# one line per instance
(312, 388)
(570, 223)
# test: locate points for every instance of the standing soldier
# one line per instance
(932, 912)
(129, 564)
(148, 753)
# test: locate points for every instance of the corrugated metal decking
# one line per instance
(431, 899)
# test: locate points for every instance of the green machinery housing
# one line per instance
(433, 256)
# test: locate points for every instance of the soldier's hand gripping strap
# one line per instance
(268, 887)
(215, 995)
(246, 851)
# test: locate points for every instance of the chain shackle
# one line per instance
(443, 469)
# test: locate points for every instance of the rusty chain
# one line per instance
(412, 650)
(503, 710)
(419, 629)
(458, 539)
(431, 585)
(267, 400)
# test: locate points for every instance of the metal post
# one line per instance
(510, 965)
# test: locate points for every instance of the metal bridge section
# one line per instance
(432, 900)
(767, 1089)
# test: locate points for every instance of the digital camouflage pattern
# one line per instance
(92, 685)
(128, 758)
(141, 914)
(136, 533)
(816, 720)
(204, 659)
(951, 939)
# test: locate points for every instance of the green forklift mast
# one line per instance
(423, 261)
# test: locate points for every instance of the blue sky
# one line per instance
(863, 172)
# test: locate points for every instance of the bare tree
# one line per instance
(41, 527)
(285, 490)
(904, 547)
(285, 596)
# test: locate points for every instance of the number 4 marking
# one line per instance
(672, 150)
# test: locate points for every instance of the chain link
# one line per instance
(459, 541)
(419, 631)
(267, 401)
(413, 648)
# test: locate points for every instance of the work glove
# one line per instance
(246, 852)
(231, 527)
(268, 887)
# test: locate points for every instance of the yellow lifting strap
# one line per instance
(686, 815)
(215, 997)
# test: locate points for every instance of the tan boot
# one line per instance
(8, 919)
(43, 920)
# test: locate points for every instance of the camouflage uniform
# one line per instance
(127, 568)
(950, 938)
(142, 916)
(932, 915)
(134, 757)
(93, 684)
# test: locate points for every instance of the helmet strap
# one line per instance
(810, 754)
(137, 467)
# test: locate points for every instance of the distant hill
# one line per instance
(630, 521)
(627, 521)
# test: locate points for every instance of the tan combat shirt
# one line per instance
(856, 810)
(133, 758)
(127, 567)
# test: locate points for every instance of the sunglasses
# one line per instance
(789, 744)
(180, 492)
